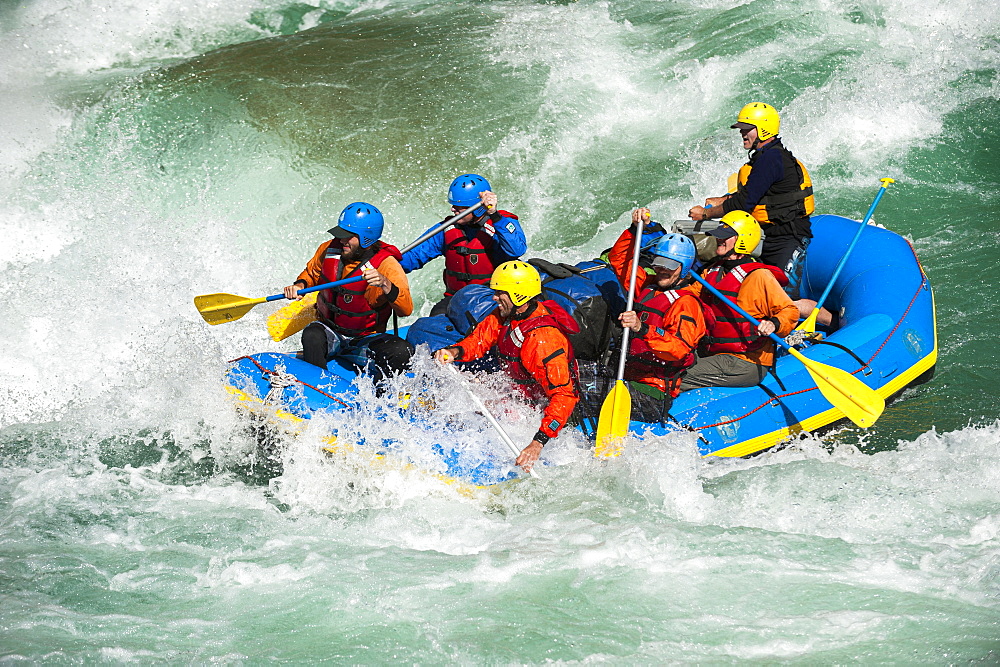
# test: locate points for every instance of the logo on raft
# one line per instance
(729, 431)
(914, 343)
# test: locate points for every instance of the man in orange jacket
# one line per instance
(530, 338)
(668, 322)
(739, 354)
(351, 319)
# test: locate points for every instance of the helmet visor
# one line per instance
(742, 126)
(665, 263)
(340, 233)
(723, 232)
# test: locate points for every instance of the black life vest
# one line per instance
(788, 199)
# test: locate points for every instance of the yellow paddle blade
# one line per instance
(809, 324)
(222, 308)
(854, 398)
(292, 318)
(612, 425)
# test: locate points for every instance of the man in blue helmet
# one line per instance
(351, 319)
(667, 321)
(476, 244)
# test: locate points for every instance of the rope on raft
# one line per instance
(281, 380)
(899, 322)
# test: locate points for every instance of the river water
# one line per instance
(154, 151)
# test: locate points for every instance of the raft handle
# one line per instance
(866, 370)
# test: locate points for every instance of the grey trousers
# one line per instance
(722, 370)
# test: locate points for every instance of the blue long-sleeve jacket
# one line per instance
(768, 169)
(510, 243)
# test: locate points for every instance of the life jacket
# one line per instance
(513, 334)
(786, 200)
(651, 307)
(728, 331)
(469, 260)
(345, 308)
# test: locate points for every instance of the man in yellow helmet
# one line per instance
(737, 354)
(773, 187)
(530, 338)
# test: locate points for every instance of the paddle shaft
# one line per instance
(631, 297)
(423, 237)
(616, 411)
(857, 235)
(489, 417)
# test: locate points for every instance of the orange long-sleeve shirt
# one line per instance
(390, 268)
(762, 296)
(620, 259)
(683, 324)
(544, 354)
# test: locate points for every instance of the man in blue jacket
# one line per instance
(475, 245)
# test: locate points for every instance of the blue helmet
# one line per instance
(361, 219)
(673, 250)
(464, 191)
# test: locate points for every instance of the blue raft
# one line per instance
(887, 338)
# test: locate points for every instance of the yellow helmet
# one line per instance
(519, 279)
(762, 116)
(747, 231)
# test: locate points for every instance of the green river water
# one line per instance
(154, 151)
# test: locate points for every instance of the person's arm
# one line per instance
(389, 283)
(509, 235)
(430, 249)
(546, 358)
(713, 208)
(762, 296)
(621, 253)
(477, 343)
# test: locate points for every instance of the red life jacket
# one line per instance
(652, 307)
(345, 308)
(467, 260)
(728, 331)
(511, 338)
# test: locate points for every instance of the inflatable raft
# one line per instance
(886, 338)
